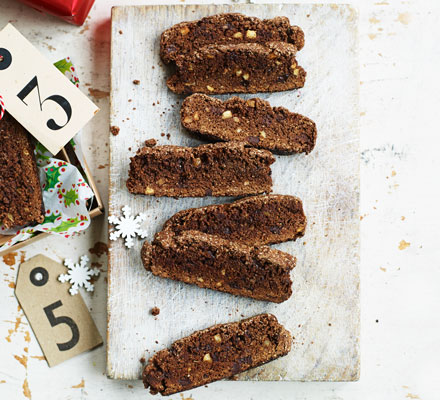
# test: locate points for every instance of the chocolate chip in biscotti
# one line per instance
(253, 121)
(21, 200)
(230, 28)
(218, 352)
(209, 261)
(238, 68)
(219, 169)
(254, 220)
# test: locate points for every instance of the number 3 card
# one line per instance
(37, 95)
(61, 322)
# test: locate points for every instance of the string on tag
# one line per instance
(2, 107)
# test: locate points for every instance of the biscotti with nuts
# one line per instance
(218, 352)
(209, 261)
(252, 121)
(254, 220)
(219, 169)
(231, 28)
(238, 68)
(21, 200)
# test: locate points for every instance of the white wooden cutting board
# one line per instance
(323, 312)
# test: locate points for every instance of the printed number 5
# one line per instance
(54, 321)
(60, 100)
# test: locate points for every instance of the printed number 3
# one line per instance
(54, 321)
(60, 100)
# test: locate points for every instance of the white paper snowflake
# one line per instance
(128, 226)
(78, 275)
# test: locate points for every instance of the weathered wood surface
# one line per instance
(323, 313)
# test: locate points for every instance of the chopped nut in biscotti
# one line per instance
(149, 191)
(237, 35)
(250, 34)
(227, 114)
(218, 338)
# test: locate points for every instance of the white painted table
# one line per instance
(400, 101)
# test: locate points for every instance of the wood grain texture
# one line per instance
(323, 312)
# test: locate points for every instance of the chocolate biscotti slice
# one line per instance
(219, 169)
(212, 262)
(252, 121)
(238, 68)
(231, 28)
(21, 201)
(254, 220)
(218, 352)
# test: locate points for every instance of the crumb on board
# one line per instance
(150, 142)
(155, 311)
(403, 245)
(114, 130)
(136, 81)
(120, 32)
(162, 134)
(142, 360)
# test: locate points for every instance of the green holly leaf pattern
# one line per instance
(63, 65)
(52, 177)
(70, 197)
(51, 218)
(42, 152)
(65, 225)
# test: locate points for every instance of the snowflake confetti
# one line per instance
(127, 227)
(79, 275)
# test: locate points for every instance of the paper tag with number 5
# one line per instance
(61, 322)
(37, 95)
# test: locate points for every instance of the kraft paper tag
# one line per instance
(61, 322)
(37, 95)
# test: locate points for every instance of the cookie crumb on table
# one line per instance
(150, 142)
(136, 81)
(155, 311)
(114, 130)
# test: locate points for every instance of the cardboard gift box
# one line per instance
(95, 204)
